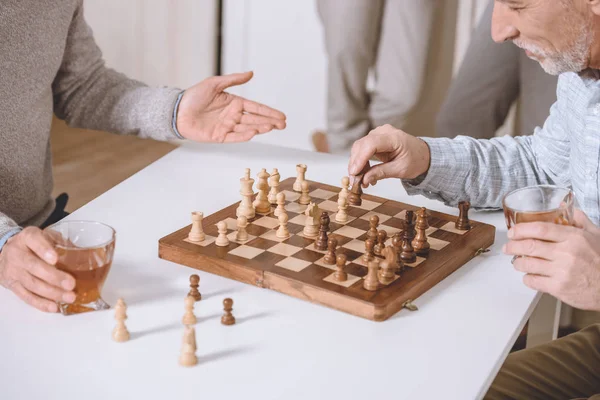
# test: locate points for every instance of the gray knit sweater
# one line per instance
(49, 63)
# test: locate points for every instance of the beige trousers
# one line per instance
(389, 36)
(564, 369)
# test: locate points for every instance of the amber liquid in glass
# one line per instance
(516, 217)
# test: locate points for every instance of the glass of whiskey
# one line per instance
(85, 250)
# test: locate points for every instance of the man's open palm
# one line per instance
(209, 114)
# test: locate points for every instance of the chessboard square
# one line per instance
(450, 227)
(347, 283)
(328, 205)
(308, 255)
(419, 261)
(293, 264)
(369, 205)
(361, 261)
(351, 255)
(245, 251)
(341, 240)
(321, 262)
(359, 224)
(231, 224)
(299, 219)
(356, 245)
(272, 235)
(312, 247)
(291, 196)
(232, 236)
(256, 230)
(348, 220)
(430, 230)
(207, 240)
(284, 249)
(349, 231)
(261, 243)
(437, 244)
(298, 241)
(322, 194)
(296, 208)
(267, 222)
(401, 215)
(388, 209)
(295, 228)
(356, 212)
(382, 217)
(395, 223)
(391, 231)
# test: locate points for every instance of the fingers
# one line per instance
(254, 119)
(236, 137)
(377, 141)
(47, 273)
(263, 128)
(533, 265)
(38, 243)
(377, 173)
(541, 231)
(530, 248)
(538, 282)
(227, 81)
(582, 221)
(34, 300)
(45, 290)
(253, 107)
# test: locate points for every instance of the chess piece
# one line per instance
(462, 222)
(304, 197)
(371, 281)
(409, 225)
(222, 239)
(261, 203)
(342, 214)
(381, 238)
(280, 204)
(194, 284)
(373, 223)
(189, 318)
(340, 275)
(241, 234)
(246, 208)
(282, 231)
(354, 198)
(397, 244)
(120, 333)
(321, 242)
(420, 243)
(311, 224)
(301, 170)
(228, 318)
(331, 246)
(274, 186)
(345, 186)
(408, 255)
(369, 251)
(197, 233)
(188, 358)
(387, 273)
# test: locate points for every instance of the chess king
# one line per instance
(564, 261)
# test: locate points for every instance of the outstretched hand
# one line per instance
(209, 114)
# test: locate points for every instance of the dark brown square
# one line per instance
(388, 209)
(261, 243)
(256, 230)
(395, 223)
(298, 241)
(308, 255)
(359, 224)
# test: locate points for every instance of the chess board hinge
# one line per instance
(408, 304)
(481, 251)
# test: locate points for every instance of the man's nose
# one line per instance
(502, 26)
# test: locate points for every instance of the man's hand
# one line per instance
(27, 268)
(209, 114)
(563, 261)
(403, 156)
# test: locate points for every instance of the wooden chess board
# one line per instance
(293, 266)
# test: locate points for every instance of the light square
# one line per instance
(356, 245)
(296, 208)
(348, 220)
(207, 240)
(291, 196)
(391, 231)
(272, 235)
(328, 205)
(419, 261)
(313, 248)
(322, 194)
(284, 249)
(299, 219)
(267, 222)
(231, 224)
(321, 262)
(361, 261)
(232, 235)
(382, 217)
(430, 230)
(248, 252)
(368, 205)
(401, 215)
(350, 232)
(437, 244)
(347, 283)
(293, 264)
(451, 228)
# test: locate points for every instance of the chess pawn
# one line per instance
(228, 318)
(408, 255)
(189, 318)
(188, 358)
(325, 215)
(274, 185)
(373, 223)
(304, 197)
(246, 208)
(222, 239)
(196, 233)
(322, 239)
(462, 222)
(340, 275)
(420, 243)
(409, 225)
(387, 273)
(261, 204)
(345, 186)
(241, 234)
(280, 204)
(120, 333)
(369, 253)
(381, 238)
(342, 216)
(301, 171)
(283, 232)
(354, 198)
(311, 225)
(194, 284)
(371, 281)
(397, 245)
(331, 246)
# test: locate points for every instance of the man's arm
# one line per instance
(8, 228)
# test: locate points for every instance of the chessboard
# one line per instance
(294, 266)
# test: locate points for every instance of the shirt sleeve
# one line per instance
(89, 95)
(8, 228)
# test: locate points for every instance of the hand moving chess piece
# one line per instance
(246, 208)
(373, 223)
(331, 246)
(189, 318)
(408, 255)
(369, 252)
(420, 243)
(387, 273)
(261, 203)
(222, 239)
(340, 275)
(322, 239)
(280, 204)
(120, 333)
(194, 284)
(301, 171)
(371, 281)
(197, 233)
(228, 318)
(188, 358)
(381, 238)
(274, 186)
(311, 224)
(283, 232)
(241, 234)
(462, 222)
(304, 197)
(342, 215)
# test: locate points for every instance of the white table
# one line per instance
(281, 347)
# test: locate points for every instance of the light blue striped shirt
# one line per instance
(564, 152)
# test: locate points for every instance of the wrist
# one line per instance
(423, 160)
(7, 235)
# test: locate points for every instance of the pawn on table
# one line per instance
(381, 238)
(241, 235)
(280, 204)
(222, 239)
(340, 275)
(228, 318)
(331, 246)
(194, 284)
(282, 231)
(189, 318)
(197, 233)
(120, 333)
(188, 358)
(304, 197)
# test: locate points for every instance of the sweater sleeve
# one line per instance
(8, 228)
(89, 95)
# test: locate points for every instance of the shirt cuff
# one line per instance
(175, 109)
(8, 235)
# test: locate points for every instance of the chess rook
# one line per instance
(381, 238)
(197, 233)
(120, 333)
(301, 171)
(194, 285)
(228, 318)
(462, 222)
(241, 234)
(420, 243)
(371, 281)
(246, 208)
(188, 317)
(331, 247)
(222, 239)
(261, 204)
(322, 239)
(340, 275)
(274, 186)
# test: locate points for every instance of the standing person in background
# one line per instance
(390, 36)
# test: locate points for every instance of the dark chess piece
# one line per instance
(462, 222)
(372, 232)
(331, 246)
(228, 318)
(381, 238)
(354, 197)
(409, 224)
(397, 244)
(340, 275)
(369, 253)
(325, 214)
(194, 284)
(408, 255)
(321, 242)
(420, 243)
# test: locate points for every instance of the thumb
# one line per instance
(226, 81)
(378, 172)
(582, 221)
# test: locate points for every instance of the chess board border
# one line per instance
(377, 306)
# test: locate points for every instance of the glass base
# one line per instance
(70, 309)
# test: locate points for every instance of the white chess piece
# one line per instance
(246, 208)
(311, 226)
(261, 204)
(342, 214)
(283, 232)
(345, 186)
(304, 197)
(274, 185)
(242, 234)
(301, 170)
(189, 318)
(197, 233)
(222, 239)
(188, 357)
(280, 204)
(120, 333)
